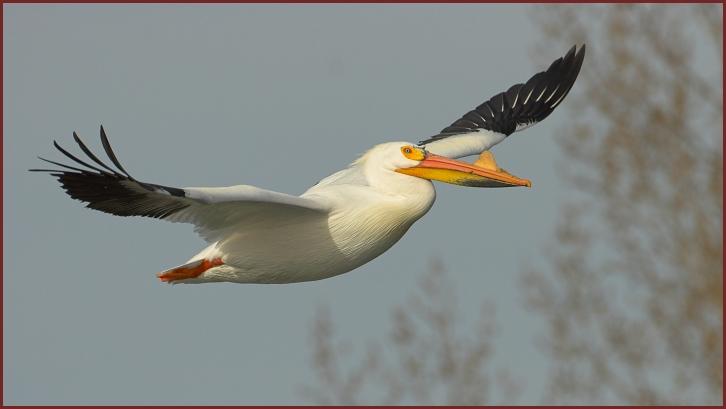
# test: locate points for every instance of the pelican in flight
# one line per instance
(342, 222)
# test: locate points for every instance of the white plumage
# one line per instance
(337, 225)
(344, 221)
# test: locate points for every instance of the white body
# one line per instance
(369, 208)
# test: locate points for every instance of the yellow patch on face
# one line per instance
(413, 152)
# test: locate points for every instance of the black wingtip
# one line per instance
(42, 170)
(110, 191)
(76, 159)
(62, 165)
(90, 154)
(522, 105)
(107, 147)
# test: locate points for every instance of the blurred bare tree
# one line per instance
(634, 296)
(426, 359)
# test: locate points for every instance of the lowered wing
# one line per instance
(212, 210)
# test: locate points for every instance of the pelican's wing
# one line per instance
(211, 210)
(520, 107)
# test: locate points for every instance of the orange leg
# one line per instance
(182, 273)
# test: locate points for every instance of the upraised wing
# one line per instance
(211, 210)
(518, 108)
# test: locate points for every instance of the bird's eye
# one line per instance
(413, 153)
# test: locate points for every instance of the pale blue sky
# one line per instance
(276, 96)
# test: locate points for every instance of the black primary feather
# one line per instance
(522, 104)
(110, 191)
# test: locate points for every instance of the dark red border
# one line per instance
(2, 121)
(356, 2)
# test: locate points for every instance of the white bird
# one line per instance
(346, 219)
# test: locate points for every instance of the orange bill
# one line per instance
(443, 169)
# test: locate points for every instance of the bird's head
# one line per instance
(415, 161)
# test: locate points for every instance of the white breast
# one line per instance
(375, 222)
(362, 225)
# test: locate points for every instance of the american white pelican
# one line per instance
(346, 219)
